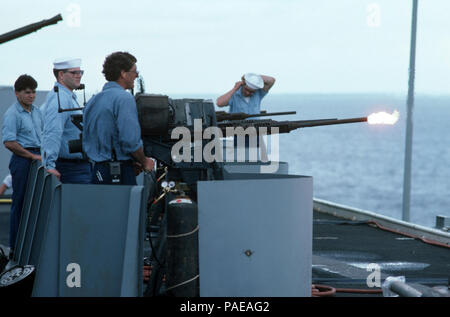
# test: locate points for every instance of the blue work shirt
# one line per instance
(110, 121)
(22, 126)
(58, 127)
(238, 103)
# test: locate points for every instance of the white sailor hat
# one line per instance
(254, 81)
(66, 63)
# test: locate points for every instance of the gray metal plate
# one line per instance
(255, 237)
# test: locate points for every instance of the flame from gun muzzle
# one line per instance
(383, 118)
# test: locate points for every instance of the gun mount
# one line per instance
(161, 116)
(174, 211)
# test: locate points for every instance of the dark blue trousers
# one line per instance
(102, 175)
(246, 140)
(74, 172)
(19, 168)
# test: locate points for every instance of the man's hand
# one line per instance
(55, 172)
(268, 82)
(223, 100)
(148, 164)
(17, 149)
(137, 168)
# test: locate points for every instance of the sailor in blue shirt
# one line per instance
(246, 97)
(247, 94)
(59, 129)
(111, 130)
(21, 134)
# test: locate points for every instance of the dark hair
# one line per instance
(25, 81)
(117, 62)
(56, 72)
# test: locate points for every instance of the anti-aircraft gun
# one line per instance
(163, 120)
(173, 132)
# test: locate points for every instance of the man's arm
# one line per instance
(3, 188)
(130, 132)
(17, 149)
(52, 132)
(146, 162)
(268, 82)
(223, 100)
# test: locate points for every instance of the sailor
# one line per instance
(21, 134)
(111, 131)
(246, 97)
(59, 128)
(247, 94)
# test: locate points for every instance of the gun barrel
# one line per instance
(28, 29)
(314, 123)
(266, 114)
(224, 116)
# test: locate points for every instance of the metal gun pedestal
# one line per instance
(255, 236)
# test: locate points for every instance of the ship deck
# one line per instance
(343, 250)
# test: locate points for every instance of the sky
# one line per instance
(205, 46)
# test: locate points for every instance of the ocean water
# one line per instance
(362, 165)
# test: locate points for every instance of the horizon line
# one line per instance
(282, 93)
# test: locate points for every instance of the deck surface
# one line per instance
(342, 251)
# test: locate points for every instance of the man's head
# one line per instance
(25, 89)
(252, 82)
(68, 72)
(246, 91)
(121, 68)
